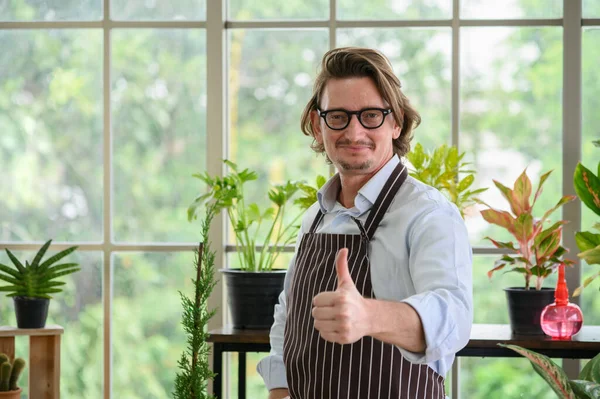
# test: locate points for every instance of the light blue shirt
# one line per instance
(420, 254)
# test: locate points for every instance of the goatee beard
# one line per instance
(355, 166)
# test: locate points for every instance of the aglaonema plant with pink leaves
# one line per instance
(537, 251)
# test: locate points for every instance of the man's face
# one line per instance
(355, 150)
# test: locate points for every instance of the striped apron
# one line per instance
(368, 368)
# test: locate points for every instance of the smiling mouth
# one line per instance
(355, 147)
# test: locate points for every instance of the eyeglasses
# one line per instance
(339, 119)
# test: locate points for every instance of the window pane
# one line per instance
(159, 126)
(276, 9)
(270, 81)
(502, 378)
(510, 9)
(158, 10)
(591, 9)
(79, 310)
(50, 10)
(590, 158)
(394, 9)
(146, 315)
(422, 61)
(51, 140)
(511, 116)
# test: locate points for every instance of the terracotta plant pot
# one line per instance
(11, 394)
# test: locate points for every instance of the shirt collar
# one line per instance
(367, 195)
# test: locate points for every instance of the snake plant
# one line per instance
(38, 278)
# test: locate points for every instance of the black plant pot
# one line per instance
(31, 312)
(252, 297)
(525, 309)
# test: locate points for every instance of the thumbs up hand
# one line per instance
(341, 316)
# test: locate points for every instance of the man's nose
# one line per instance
(354, 128)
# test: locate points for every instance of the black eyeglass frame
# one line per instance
(384, 111)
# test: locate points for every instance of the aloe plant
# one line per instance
(9, 374)
(442, 169)
(228, 193)
(538, 251)
(587, 386)
(587, 187)
(38, 278)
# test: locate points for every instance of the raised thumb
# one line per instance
(341, 267)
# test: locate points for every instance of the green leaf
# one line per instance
(591, 371)
(500, 218)
(591, 256)
(321, 180)
(231, 165)
(550, 372)
(10, 270)
(57, 257)
(545, 233)
(500, 264)
(53, 276)
(499, 244)
(523, 229)
(586, 282)
(417, 156)
(539, 189)
(506, 192)
(561, 202)
(57, 268)
(587, 187)
(40, 254)
(466, 183)
(253, 213)
(15, 261)
(549, 245)
(587, 240)
(521, 193)
(585, 389)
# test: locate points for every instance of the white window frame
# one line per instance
(217, 26)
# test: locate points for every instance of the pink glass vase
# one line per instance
(561, 319)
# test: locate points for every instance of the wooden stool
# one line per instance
(44, 357)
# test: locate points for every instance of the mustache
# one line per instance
(348, 143)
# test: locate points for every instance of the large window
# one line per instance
(107, 109)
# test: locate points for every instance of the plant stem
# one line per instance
(197, 311)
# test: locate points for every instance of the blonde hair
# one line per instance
(353, 62)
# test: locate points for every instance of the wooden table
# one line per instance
(483, 343)
(44, 358)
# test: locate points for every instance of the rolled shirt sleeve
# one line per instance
(440, 264)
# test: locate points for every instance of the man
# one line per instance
(378, 297)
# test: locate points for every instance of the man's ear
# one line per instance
(315, 121)
(398, 129)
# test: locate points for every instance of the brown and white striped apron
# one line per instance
(368, 368)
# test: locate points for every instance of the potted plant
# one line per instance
(9, 376)
(194, 369)
(442, 170)
(587, 187)
(537, 252)
(254, 287)
(32, 283)
(587, 386)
